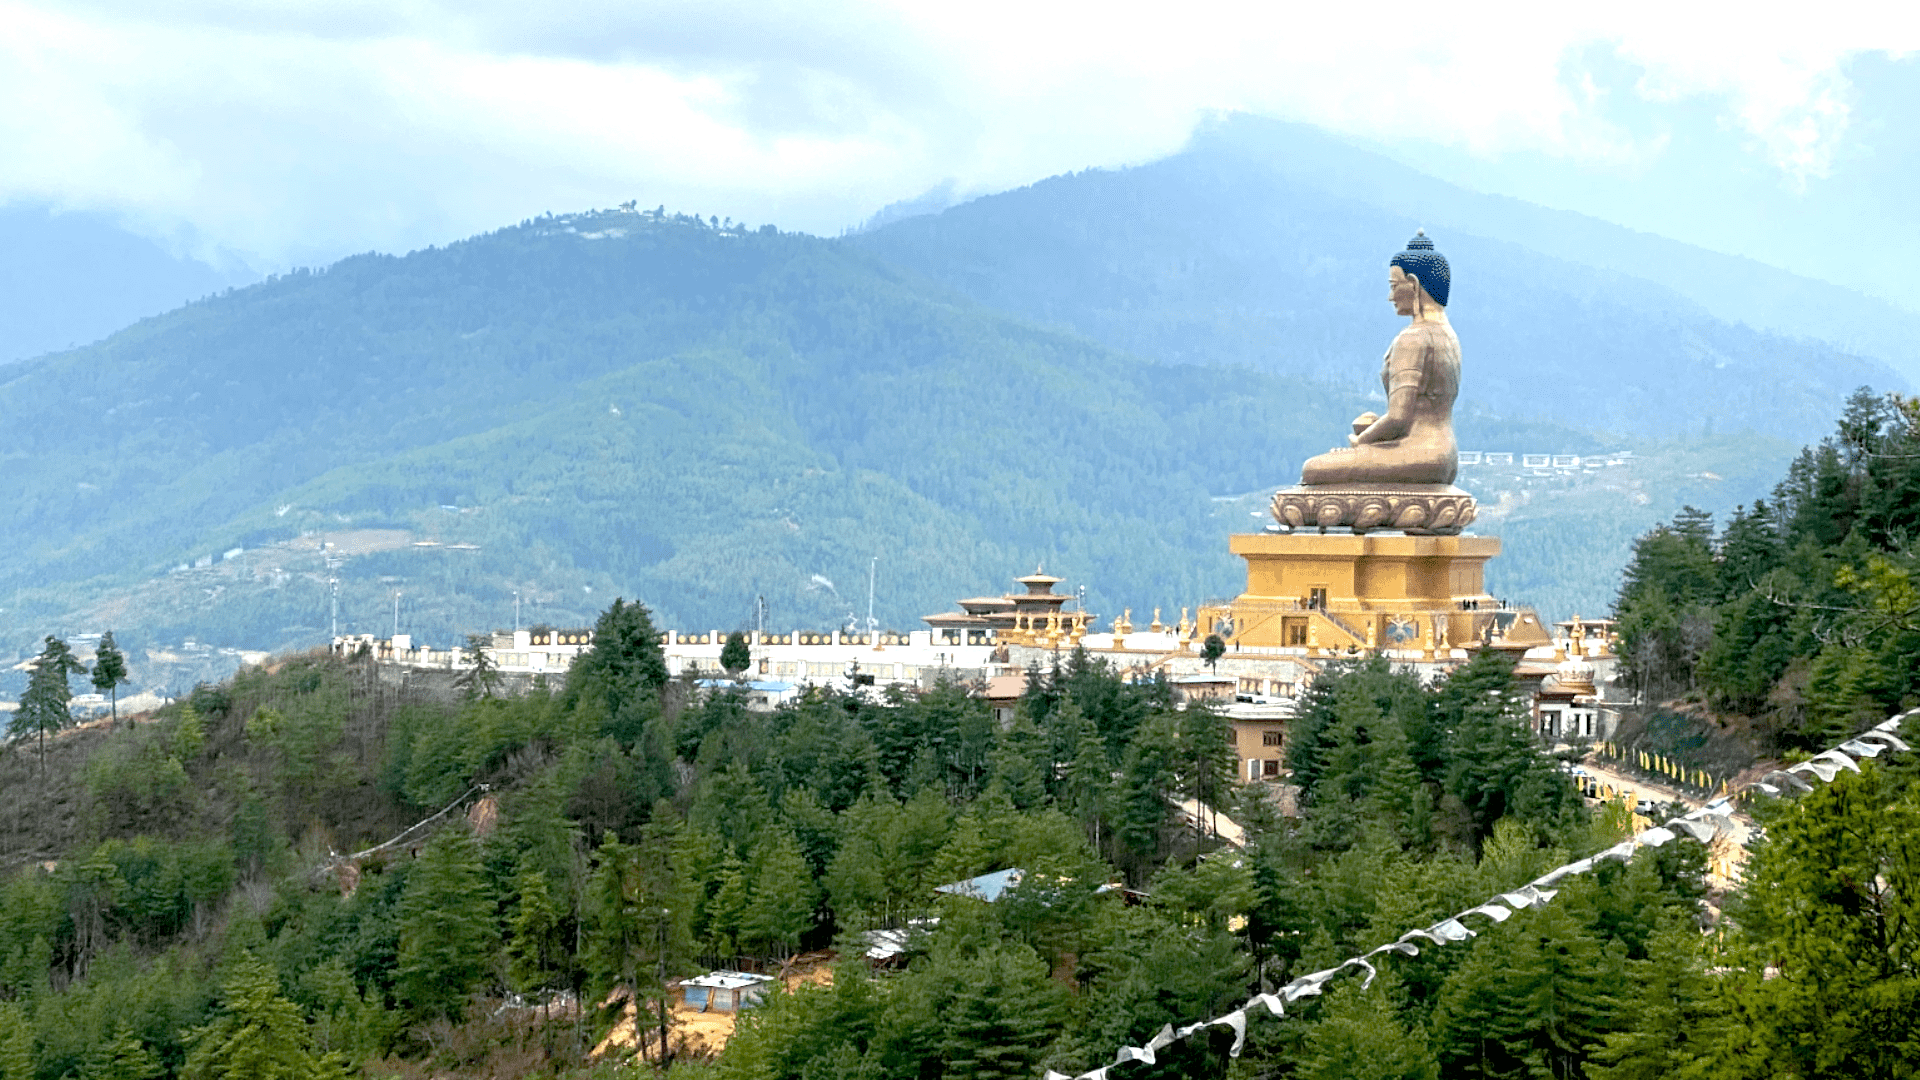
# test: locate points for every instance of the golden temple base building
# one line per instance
(1416, 598)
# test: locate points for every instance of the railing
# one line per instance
(1359, 633)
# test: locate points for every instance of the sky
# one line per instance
(298, 132)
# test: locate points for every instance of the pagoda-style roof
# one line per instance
(981, 605)
(1036, 602)
(1004, 613)
(957, 618)
(1039, 584)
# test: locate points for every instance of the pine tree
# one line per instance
(189, 736)
(622, 673)
(1495, 769)
(256, 1035)
(123, 1057)
(534, 947)
(541, 835)
(1398, 797)
(1831, 913)
(733, 805)
(1020, 765)
(1207, 760)
(94, 888)
(735, 656)
(482, 677)
(858, 881)
(780, 911)
(1212, 649)
(1041, 692)
(1001, 1016)
(447, 935)
(1679, 1023)
(813, 825)
(1151, 774)
(109, 671)
(1359, 1037)
(16, 1042)
(1532, 999)
(727, 911)
(536, 951)
(44, 707)
(1088, 783)
(637, 915)
(918, 831)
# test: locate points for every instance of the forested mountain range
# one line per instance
(1262, 244)
(620, 403)
(1103, 373)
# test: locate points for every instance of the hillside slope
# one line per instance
(613, 403)
(622, 404)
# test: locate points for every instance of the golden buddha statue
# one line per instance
(1413, 443)
(1397, 470)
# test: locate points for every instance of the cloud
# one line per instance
(300, 131)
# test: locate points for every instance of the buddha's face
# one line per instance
(1404, 290)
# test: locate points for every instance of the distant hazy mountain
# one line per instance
(69, 279)
(1265, 244)
(1731, 288)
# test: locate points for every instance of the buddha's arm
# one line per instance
(1406, 368)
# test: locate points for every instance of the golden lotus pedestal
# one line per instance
(1420, 509)
(1341, 593)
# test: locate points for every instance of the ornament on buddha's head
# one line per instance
(1427, 266)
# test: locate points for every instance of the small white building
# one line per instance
(725, 991)
(519, 652)
(837, 659)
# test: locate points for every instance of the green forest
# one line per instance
(1799, 616)
(640, 403)
(308, 872)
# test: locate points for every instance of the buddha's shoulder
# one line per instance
(1427, 335)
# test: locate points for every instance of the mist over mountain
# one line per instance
(1731, 288)
(1264, 244)
(70, 279)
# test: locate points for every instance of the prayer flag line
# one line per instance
(1703, 824)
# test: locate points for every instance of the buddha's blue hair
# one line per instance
(1427, 266)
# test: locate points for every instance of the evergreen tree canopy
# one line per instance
(1802, 611)
(256, 1035)
(109, 671)
(623, 671)
(44, 708)
(446, 927)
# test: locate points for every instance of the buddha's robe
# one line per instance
(1424, 359)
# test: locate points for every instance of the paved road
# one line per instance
(1645, 789)
(1727, 855)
